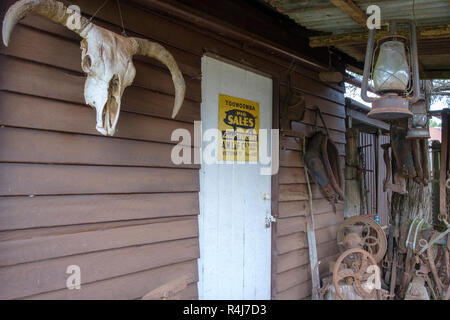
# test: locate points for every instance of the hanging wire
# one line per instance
(98, 10)
(124, 33)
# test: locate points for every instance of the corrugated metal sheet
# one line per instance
(323, 16)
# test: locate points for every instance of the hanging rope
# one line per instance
(98, 10)
(121, 19)
(120, 15)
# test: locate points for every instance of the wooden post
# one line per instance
(352, 175)
(445, 162)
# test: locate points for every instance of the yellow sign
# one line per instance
(239, 128)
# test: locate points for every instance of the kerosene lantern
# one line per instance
(395, 74)
(418, 124)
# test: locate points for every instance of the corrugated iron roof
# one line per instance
(323, 16)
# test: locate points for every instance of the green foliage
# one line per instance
(435, 124)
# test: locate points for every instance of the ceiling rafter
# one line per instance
(348, 39)
(352, 10)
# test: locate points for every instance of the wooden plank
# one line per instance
(297, 292)
(24, 179)
(291, 158)
(317, 88)
(291, 242)
(57, 85)
(327, 249)
(274, 186)
(188, 63)
(328, 219)
(128, 287)
(308, 130)
(190, 293)
(301, 208)
(44, 276)
(292, 143)
(293, 277)
(67, 55)
(23, 234)
(444, 162)
(331, 122)
(43, 248)
(158, 104)
(37, 113)
(295, 192)
(293, 208)
(423, 33)
(52, 211)
(69, 86)
(287, 226)
(291, 175)
(361, 117)
(292, 192)
(328, 107)
(327, 234)
(32, 146)
(352, 10)
(292, 260)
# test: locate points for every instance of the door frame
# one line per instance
(274, 179)
(275, 190)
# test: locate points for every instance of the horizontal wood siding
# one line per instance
(117, 206)
(293, 273)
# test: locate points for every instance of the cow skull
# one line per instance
(107, 59)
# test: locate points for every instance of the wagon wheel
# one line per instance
(372, 235)
(351, 266)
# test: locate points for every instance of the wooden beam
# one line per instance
(425, 32)
(357, 83)
(352, 10)
(435, 74)
(363, 118)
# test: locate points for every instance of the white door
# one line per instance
(235, 241)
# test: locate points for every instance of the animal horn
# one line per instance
(154, 50)
(54, 10)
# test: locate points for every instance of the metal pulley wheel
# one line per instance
(372, 235)
(351, 266)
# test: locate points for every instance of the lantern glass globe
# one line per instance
(391, 73)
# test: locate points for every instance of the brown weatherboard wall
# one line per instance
(117, 206)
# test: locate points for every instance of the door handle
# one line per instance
(269, 220)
